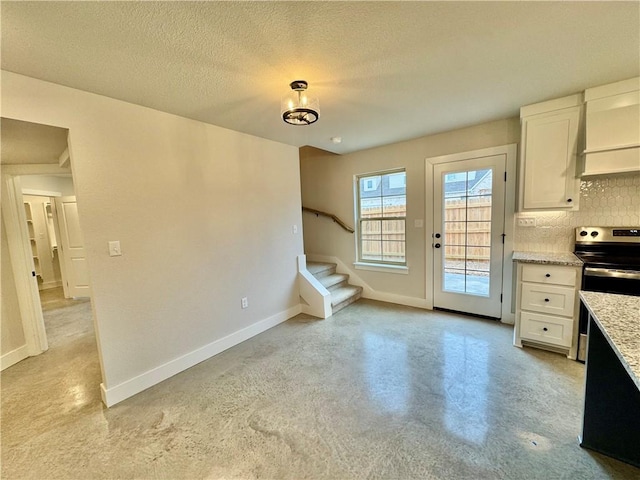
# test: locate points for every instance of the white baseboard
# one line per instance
(118, 393)
(13, 357)
(367, 291)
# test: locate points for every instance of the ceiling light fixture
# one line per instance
(298, 108)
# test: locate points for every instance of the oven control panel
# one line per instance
(608, 234)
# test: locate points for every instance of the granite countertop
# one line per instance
(567, 259)
(618, 316)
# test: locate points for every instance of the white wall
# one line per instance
(49, 183)
(204, 216)
(11, 333)
(327, 184)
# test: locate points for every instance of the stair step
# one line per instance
(320, 270)
(343, 296)
(334, 281)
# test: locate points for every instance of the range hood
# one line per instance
(612, 128)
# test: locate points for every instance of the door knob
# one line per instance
(437, 245)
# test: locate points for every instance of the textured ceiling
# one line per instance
(384, 71)
(29, 143)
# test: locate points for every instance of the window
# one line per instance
(382, 211)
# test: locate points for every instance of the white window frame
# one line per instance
(378, 265)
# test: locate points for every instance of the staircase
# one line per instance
(342, 294)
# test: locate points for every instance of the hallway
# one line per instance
(376, 391)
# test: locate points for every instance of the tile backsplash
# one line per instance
(604, 201)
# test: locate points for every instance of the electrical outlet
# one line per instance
(527, 221)
(244, 302)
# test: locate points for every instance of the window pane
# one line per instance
(370, 186)
(479, 234)
(453, 184)
(397, 180)
(479, 182)
(454, 281)
(395, 206)
(382, 196)
(370, 207)
(455, 209)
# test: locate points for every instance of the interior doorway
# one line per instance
(36, 176)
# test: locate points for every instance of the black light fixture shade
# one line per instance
(298, 108)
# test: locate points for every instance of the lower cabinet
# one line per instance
(547, 307)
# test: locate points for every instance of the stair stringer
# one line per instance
(316, 298)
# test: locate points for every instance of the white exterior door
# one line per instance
(469, 207)
(72, 245)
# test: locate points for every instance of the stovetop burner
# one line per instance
(609, 247)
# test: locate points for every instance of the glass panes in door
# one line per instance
(467, 231)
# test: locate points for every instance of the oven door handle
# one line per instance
(607, 272)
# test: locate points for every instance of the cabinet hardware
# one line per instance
(569, 200)
(546, 299)
(545, 329)
(548, 275)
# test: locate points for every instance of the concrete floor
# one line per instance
(376, 391)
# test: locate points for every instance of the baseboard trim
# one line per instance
(118, 393)
(367, 291)
(13, 357)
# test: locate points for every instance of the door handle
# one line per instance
(437, 245)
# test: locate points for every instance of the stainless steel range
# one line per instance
(611, 257)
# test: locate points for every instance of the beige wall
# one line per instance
(204, 216)
(327, 184)
(11, 334)
(49, 183)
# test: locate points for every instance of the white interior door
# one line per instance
(469, 203)
(72, 247)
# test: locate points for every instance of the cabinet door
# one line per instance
(548, 171)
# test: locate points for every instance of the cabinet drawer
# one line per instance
(546, 329)
(548, 299)
(552, 274)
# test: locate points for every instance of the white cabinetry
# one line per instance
(612, 128)
(548, 177)
(32, 240)
(547, 307)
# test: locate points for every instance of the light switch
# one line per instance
(114, 249)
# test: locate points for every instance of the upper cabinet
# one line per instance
(612, 128)
(548, 176)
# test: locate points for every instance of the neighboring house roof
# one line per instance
(473, 185)
(383, 188)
